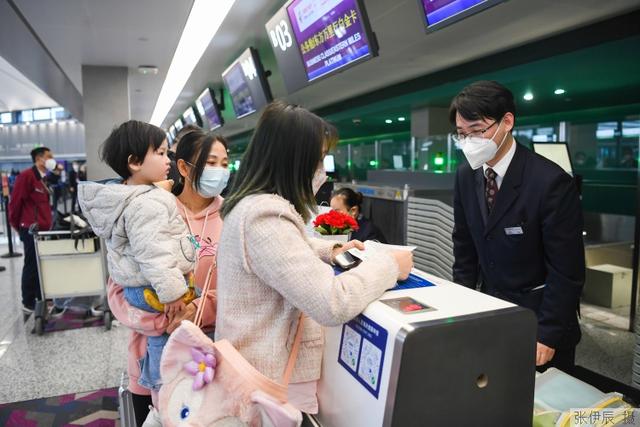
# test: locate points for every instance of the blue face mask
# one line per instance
(213, 181)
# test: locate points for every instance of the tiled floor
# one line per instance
(56, 363)
(607, 346)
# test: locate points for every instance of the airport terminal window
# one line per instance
(341, 158)
(354, 158)
(629, 141)
(548, 132)
(363, 158)
(437, 154)
(395, 154)
(595, 147)
(605, 145)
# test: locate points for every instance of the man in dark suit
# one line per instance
(518, 222)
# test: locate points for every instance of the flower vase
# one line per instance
(338, 238)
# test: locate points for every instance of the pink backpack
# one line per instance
(206, 383)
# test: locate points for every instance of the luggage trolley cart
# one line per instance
(69, 266)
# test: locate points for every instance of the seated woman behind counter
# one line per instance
(347, 201)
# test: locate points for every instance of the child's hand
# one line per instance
(173, 308)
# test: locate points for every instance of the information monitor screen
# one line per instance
(208, 110)
(440, 13)
(557, 153)
(329, 163)
(330, 34)
(247, 84)
(189, 116)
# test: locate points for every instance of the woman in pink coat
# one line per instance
(202, 161)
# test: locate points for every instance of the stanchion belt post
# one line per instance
(11, 253)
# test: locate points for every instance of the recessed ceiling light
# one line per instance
(388, 121)
(528, 96)
(401, 119)
(559, 91)
(147, 69)
(203, 23)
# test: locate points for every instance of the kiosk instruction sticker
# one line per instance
(362, 347)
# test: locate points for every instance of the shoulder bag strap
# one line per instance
(293, 356)
(203, 300)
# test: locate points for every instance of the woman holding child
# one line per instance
(201, 160)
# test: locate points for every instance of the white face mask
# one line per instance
(479, 151)
(50, 164)
(213, 181)
(319, 178)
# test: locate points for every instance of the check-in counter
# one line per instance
(430, 352)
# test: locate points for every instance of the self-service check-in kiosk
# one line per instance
(430, 353)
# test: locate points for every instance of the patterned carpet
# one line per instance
(92, 409)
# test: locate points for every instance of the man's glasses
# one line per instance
(459, 136)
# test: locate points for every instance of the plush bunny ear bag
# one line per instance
(206, 383)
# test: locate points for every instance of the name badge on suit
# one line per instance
(513, 231)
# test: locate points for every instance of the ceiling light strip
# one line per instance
(203, 23)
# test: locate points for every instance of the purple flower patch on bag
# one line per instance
(202, 367)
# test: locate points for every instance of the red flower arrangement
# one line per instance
(334, 222)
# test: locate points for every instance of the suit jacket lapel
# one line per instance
(508, 192)
(482, 203)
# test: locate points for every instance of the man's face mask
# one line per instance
(479, 150)
(50, 164)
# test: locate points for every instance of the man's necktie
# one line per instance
(491, 188)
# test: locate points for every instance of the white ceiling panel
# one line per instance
(114, 33)
(19, 93)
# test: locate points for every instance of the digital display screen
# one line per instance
(240, 92)
(439, 13)
(246, 83)
(329, 163)
(208, 111)
(557, 153)
(189, 116)
(177, 125)
(330, 34)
